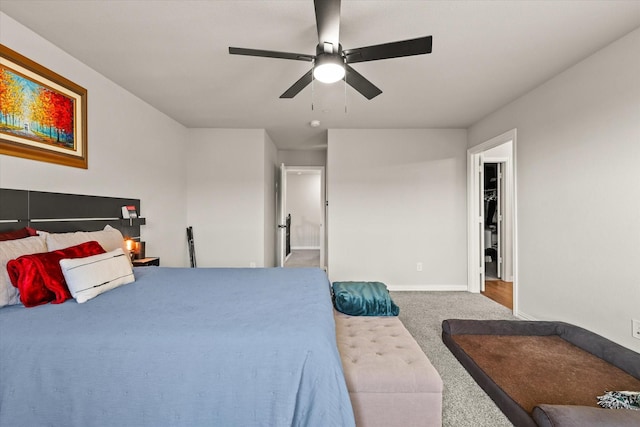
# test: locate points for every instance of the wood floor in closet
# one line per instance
(499, 291)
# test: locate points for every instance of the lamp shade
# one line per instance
(328, 68)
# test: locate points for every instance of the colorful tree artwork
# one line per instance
(43, 116)
(36, 112)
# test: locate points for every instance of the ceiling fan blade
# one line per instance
(328, 22)
(359, 83)
(299, 85)
(270, 54)
(411, 47)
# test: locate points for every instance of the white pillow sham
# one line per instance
(109, 238)
(12, 249)
(91, 276)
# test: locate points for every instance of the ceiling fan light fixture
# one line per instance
(331, 63)
(328, 68)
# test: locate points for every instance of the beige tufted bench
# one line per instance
(390, 380)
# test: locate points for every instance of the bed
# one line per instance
(183, 347)
(177, 347)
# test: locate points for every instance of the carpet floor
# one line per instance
(465, 404)
(303, 258)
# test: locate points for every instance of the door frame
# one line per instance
(281, 194)
(322, 204)
(475, 254)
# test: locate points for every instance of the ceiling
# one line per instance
(174, 55)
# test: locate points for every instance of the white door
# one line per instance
(323, 216)
(281, 216)
(481, 214)
(499, 222)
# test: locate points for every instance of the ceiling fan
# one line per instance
(331, 63)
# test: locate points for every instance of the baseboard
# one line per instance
(525, 316)
(429, 288)
(301, 248)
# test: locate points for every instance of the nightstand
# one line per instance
(145, 262)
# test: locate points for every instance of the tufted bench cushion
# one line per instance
(390, 380)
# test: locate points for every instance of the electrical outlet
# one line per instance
(252, 264)
(636, 328)
(419, 266)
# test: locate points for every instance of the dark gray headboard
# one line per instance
(58, 212)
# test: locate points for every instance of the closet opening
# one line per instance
(497, 285)
(493, 228)
(492, 238)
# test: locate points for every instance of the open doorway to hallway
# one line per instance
(304, 206)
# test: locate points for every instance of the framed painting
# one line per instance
(43, 116)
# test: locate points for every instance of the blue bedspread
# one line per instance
(179, 347)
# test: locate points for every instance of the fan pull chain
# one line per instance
(312, 88)
(345, 93)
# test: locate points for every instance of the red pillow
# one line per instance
(18, 234)
(39, 276)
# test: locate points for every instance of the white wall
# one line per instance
(502, 151)
(578, 183)
(134, 150)
(396, 198)
(226, 191)
(302, 157)
(304, 205)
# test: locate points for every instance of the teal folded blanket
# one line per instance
(363, 299)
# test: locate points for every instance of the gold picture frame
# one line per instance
(43, 116)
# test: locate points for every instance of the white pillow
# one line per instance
(109, 238)
(89, 277)
(12, 249)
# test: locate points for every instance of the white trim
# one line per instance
(305, 248)
(474, 268)
(447, 288)
(526, 316)
(314, 170)
(281, 194)
(474, 264)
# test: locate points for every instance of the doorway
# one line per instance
(498, 284)
(302, 217)
(492, 256)
(494, 239)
